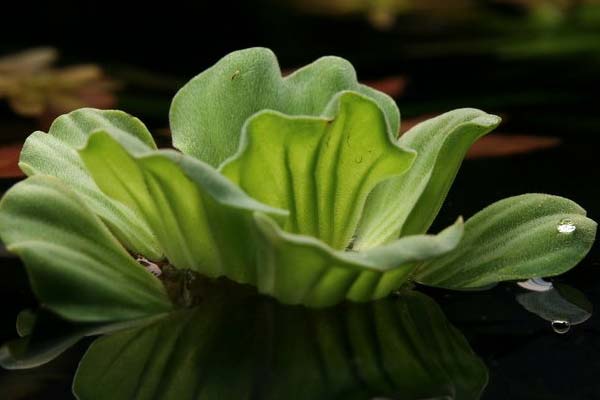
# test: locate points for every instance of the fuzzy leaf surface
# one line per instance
(208, 113)
(320, 169)
(55, 154)
(75, 265)
(514, 238)
(207, 224)
(201, 220)
(408, 204)
(299, 269)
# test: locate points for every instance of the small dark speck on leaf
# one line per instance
(235, 75)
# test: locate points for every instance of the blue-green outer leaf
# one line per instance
(514, 238)
(299, 269)
(208, 113)
(76, 267)
(55, 154)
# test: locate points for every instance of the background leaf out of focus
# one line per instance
(519, 58)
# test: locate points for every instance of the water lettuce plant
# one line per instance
(297, 185)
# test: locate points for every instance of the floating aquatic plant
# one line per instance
(299, 186)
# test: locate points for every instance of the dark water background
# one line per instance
(446, 66)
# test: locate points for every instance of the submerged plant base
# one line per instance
(187, 288)
(184, 287)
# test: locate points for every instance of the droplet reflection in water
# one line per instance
(566, 226)
(561, 327)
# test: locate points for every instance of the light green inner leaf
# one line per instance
(55, 154)
(320, 169)
(207, 224)
(208, 113)
(75, 265)
(408, 204)
(201, 220)
(531, 235)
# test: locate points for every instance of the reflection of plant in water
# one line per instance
(560, 304)
(33, 87)
(236, 345)
(297, 185)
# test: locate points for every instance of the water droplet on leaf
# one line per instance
(566, 226)
(561, 327)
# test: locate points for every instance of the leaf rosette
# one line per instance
(298, 185)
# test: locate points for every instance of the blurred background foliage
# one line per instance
(33, 88)
(493, 54)
(533, 62)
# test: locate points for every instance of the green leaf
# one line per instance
(514, 238)
(320, 169)
(202, 221)
(248, 347)
(298, 269)
(408, 204)
(207, 114)
(76, 267)
(55, 154)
